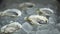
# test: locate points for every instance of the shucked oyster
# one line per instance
(10, 28)
(45, 11)
(26, 5)
(36, 19)
(11, 13)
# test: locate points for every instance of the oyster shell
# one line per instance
(10, 28)
(36, 19)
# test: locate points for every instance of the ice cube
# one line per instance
(27, 27)
(42, 27)
(42, 32)
(58, 26)
(51, 20)
(32, 32)
(54, 31)
(21, 31)
(47, 26)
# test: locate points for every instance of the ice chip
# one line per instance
(21, 31)
(54, 31)
(58, 26)
(43, 27)
(32, 32)
(51, 20)
(42, 32)
(27, 27)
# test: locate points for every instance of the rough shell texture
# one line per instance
(12, 27)
(35, 18)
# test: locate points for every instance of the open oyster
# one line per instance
(26, 5)
(36, 19)
(10, 28)
(45, 11)
(11, 13)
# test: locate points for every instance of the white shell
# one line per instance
(13, 10)
(12, 27)
(34, 18)
(26, 5)
(48, 9)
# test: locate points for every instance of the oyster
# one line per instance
(26, 5)
(10, 28)
(36, 19)
(11, 13)
(45, 11)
